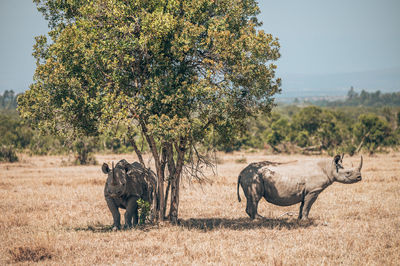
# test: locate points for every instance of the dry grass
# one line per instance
(55, 213)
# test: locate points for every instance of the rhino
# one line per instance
(285, 185)
(125, 184)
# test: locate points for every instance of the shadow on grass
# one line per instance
(210, 224)
(102, 228)
(97, 228)
(242, 224)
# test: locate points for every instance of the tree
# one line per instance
(8, 100)
(371, 131)
(351, 94)
(280, 128)
(309, 119)
(174, 70)
(316, 126)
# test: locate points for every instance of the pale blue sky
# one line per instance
(334, 36)
(322, 41)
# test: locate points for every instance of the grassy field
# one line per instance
(55, 213)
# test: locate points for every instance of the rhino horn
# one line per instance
(361, 163)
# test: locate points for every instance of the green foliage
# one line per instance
(398, 120)
(315, 126)
(7, 153)
(180, 68)
(46, 145)
(84, 148)
(308, 119)
(176, 71)
(372, 131)
(320, 129)
(279, 130)
(143, 210)
(302, 138)
(13, 132)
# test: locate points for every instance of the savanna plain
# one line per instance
(53, 212)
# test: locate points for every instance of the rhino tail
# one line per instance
(239, 199)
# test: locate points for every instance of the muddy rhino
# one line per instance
(285, 185)
(125, 184)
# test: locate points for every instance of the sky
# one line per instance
(326, 45)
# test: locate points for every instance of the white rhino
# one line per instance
(285, 185)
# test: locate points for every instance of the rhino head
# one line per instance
(116, 180)
(342, 175)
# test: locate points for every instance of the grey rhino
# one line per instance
(284, 185)
(125, 184)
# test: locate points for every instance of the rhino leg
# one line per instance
(115, 213)
(309, 200)
(252, 204)
(301, 210)
(253, 190)
(251, 208)
(131, 212)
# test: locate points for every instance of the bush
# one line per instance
(13, 132)
(7, 153)
(241, 160)
(371, 132)
(143, 210)
(302, 139)
(46, 144)
(84, 148)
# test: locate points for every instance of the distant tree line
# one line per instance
(289, 129)
(8, 100)
(364, 98)
(313, 130)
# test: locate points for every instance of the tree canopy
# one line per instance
(173, 70)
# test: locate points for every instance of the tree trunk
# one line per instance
(160, 175)
(163, 164)
(175, 182)
(173, 210)
(169, 149)
(137, 151)
(166, 195)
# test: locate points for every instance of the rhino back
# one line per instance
(143, 178)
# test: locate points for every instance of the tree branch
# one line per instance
(137, 151)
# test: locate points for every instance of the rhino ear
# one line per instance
(337, 159)
(105, 168)
(126, 169)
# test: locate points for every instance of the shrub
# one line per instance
(46, 144)
(241, 160)
(143, 210)
(302, 139)
(7, 153)
(84, 148)
(371, 132)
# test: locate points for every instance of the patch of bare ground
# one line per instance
(53, 212)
